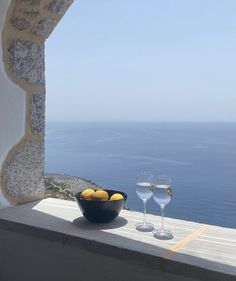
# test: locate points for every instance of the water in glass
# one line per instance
(144, 190)
(162, 194)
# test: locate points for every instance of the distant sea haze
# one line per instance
(200, 158)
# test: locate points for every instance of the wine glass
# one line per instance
(144, 187)
(162, 194)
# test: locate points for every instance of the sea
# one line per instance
(200, 159)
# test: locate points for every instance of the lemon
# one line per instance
(87, 194)
(117, 196)
(100, 195)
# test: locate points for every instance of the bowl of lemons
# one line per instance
(102, 205)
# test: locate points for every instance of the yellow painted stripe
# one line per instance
(185, 241)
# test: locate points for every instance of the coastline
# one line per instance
(65, 186)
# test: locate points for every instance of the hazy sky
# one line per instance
(157, 60)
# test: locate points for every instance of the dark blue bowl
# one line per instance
(101, 211)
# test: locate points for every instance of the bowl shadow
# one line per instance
(82, 222)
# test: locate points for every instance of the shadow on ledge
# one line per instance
(41, 245)
(81, 222)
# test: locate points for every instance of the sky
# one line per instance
(133, 60)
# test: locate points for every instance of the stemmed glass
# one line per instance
(144, 187)
(162, 194)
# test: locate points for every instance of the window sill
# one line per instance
(196, 251)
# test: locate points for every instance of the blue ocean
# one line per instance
(200, 158)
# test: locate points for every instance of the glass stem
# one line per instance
(162, 217)
(145, 211)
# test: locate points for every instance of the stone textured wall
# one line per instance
(28, 23)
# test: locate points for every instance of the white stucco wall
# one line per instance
(12, 105)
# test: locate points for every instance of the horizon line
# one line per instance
(141, 121)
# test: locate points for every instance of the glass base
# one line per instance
(144, 227)
(163, 234)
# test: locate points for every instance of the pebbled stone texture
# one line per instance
(23, 180)
(37, 113)
(27, 61)
(45, 27)
(28, 9)
(22, 172)
(31, 2)
(58, 6)
(20, 23)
